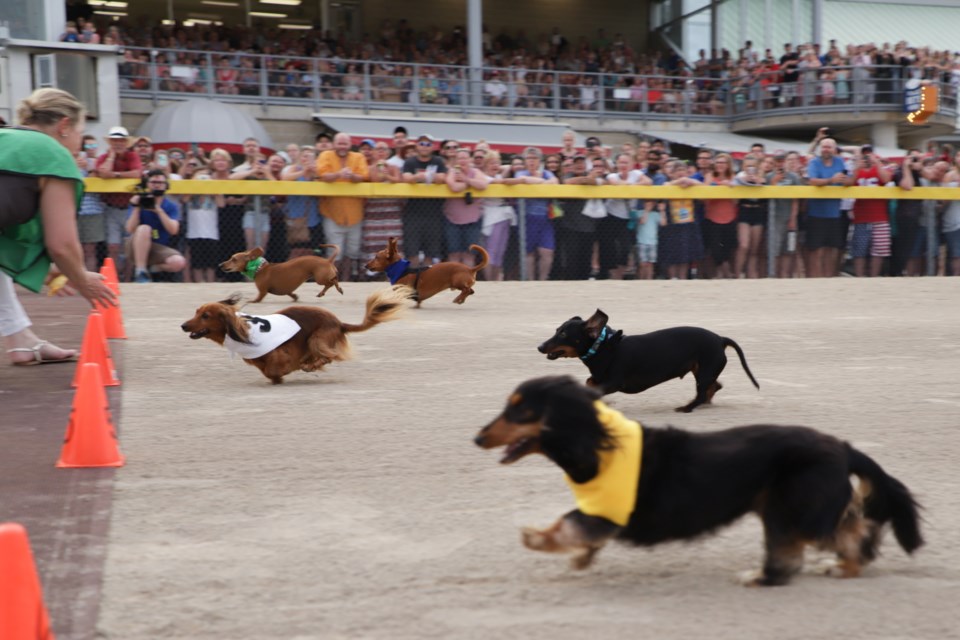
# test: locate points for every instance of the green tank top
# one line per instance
(29, 155)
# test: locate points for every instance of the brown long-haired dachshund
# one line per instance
(428, 281)
(294, 339)
(283, 278)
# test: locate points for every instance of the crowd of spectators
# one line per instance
(186, 237)
(428, 66)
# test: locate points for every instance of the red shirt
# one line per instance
(866, 211)
(129, 161)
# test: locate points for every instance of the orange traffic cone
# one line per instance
(96, 349)
(91, 440)
(23, 615)
(109, 273)
(112, 321)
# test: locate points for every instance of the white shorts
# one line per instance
(261, 220)
(347, 238)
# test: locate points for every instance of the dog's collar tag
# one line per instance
(396, 270)
(596, 344)
(253, 268)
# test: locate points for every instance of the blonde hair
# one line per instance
(220, 153)
(45, 107)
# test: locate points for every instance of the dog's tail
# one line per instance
(336, 250)
(727, 342)
(484, 257)
(887, 499)
(382, 306)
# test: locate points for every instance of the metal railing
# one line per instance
(508, 91)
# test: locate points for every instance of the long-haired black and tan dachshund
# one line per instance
(646, 485)
(313, 337)
(632, 364)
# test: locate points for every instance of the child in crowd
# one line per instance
(648, 229)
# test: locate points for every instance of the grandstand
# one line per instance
(699, 75)
(622, 69)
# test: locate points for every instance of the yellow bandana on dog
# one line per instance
(612, 494)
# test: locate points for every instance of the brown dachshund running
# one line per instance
(297, 338)
(428, 281)
(283, 278)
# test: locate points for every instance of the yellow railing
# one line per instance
(385, 190)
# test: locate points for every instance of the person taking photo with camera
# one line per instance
(152, 222)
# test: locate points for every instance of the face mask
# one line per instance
(158, 192)
(653, 168)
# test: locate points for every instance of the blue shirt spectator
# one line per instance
(149, 217)
(824, 208)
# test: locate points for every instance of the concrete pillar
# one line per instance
(816, 36)
(884, 134)
(475, 51)
(54, 17)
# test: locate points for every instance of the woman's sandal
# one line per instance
(38, 357)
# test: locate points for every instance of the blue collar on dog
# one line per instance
(596, 345)
(397, 270)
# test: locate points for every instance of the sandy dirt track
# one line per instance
(352, 503)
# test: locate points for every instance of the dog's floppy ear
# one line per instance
(596, 323)
(235, 327)
(572, 435)
(257, 252)
(233, 300)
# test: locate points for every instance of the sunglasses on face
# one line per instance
(451, 147)
(425, 144)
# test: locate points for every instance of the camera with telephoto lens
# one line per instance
(148, 197)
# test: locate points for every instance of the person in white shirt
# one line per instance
(495, 91)
(614, 237)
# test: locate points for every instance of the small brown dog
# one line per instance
(283, 278)
(428, 281)
(296, 338)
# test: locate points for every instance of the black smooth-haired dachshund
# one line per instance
(645, 486)
(632, 364)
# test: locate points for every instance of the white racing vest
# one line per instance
(266, 334)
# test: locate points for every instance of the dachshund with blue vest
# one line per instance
(427, 282)
(631, 364)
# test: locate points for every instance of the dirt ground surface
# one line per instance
(352, 503)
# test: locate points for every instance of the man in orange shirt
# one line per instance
(343, 216)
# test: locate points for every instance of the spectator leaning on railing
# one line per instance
(302, 212)
(343, 216)
(951, 221)
(905, 258)
(120, 162)
(423, 217)
(381, 216)
(871, 223)
(462, 215)
(824, 239)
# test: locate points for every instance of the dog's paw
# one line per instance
(838, 568)
(751, 578)
(583, 560)
(533, 538)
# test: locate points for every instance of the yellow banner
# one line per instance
(385, 190)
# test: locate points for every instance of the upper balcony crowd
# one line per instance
(400, 64)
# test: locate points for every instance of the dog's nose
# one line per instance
(185, 327)
(542, 348)
(478, 440)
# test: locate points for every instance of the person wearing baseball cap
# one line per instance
(366, 148)
(423, 217)
(119, 162)
(118, 133)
